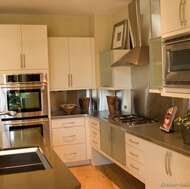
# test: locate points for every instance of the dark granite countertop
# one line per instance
(59, 177)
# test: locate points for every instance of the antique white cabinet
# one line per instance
(69, 139)
(166, 168)
(23, 47)
(72, 63)
(94, 128)
(114, 77)
(135, 156)
(175, 17)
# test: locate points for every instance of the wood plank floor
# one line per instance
(105, 177)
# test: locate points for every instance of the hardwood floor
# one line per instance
(105, 177)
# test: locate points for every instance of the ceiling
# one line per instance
(61, 7)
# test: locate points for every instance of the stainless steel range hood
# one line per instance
(139, 32)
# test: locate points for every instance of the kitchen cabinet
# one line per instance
(69, 139)
(135, 156)
(114, 77)
(166, 168)
(155, 65)
(112, 140)
(72, 63)
(94, 127)
(175, 17)
(23, 47)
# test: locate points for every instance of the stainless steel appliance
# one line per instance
(24, 93)
(133, 120)
(27, 95)
(176, 56)
(39, 124)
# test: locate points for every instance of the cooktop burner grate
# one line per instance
(133, 119)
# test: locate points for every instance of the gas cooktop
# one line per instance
(133, 120)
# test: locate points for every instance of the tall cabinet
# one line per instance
(72, 63)
(23, 47)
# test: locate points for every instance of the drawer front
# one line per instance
(135, 154)
(135, 167)
(135, 141)
(94, 132)
(95, 142)
(71, 153)
(94, 123)
(65, 136)
(68, 122)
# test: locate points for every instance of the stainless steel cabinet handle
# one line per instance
(110, 137)
(94, 123)
(134, 167)
(184, 15)
(24, 62)
(166, 163)
(71, 80)
(68, 124)
(21, 61)
(169, 163)
(94, 133)
(68, 80)
(181, 12)
(134, 142)
(136, 155)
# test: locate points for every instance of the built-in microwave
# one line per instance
(176, 62)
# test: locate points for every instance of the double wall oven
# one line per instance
(27, 95)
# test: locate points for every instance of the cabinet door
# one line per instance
(105, 138)
(170, 20)
(118, 145)
(59, 63)
(10, 48)
(156, 167)
(34, 45)
(81, 62)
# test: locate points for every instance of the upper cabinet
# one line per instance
(23, 47)
(72, 63)
(114, 77)
(175, 17)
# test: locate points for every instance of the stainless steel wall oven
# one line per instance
(27, 95)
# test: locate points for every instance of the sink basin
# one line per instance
(24, 159)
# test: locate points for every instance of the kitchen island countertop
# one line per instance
(59, 177)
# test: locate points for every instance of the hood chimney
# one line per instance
(139, 32)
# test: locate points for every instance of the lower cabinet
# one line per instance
(69, 139)
(112, 142)
(135, 156)
(166, 168)
(94, 127)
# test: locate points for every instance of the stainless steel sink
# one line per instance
(24, 159)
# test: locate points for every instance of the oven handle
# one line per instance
(23, 86)
(25, 122)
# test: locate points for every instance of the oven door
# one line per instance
(26, 99)
(39, 124)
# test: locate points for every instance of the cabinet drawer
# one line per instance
(94, 123)
(95, 141)
(68, 122)
(71, 153)
(135, 167)
(135, 141)
(70, 135)
(135, 154)
(94, 132)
